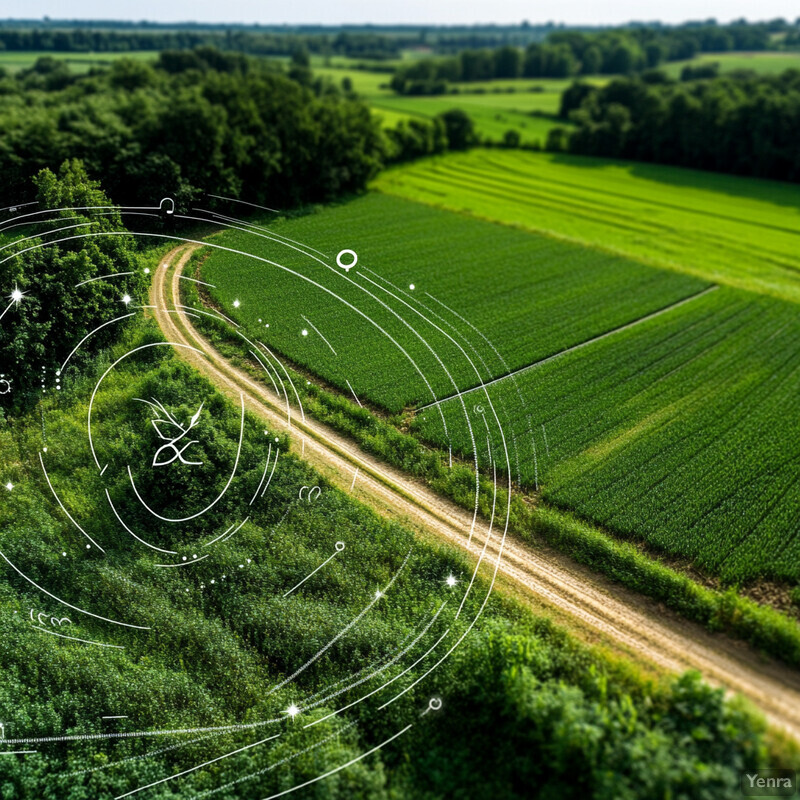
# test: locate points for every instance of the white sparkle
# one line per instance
(147, 270)
(378, 594)
(236, 304)
(411, 286)
(451, 581)
(292, 711)
(304, 332)
(9, 486)
(16, 295)
(126, 299)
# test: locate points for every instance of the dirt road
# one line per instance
(605, 611)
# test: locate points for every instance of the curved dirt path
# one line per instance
(634, 624)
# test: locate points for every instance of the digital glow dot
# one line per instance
(451, 581)
(267, 325)
(304, 332)
(292, 711)
(259, 320)
(147, 272)
(16, 295)
(194, 555)
(213, 581)
(9, 486)
(63, 554)
(411, 286)
(184, 558)
(88, 547)
(45, 449)
(126, 299)
(276, 438)
(236, 304)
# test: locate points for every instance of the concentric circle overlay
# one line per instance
(185, 540)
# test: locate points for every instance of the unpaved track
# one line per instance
(631, 622)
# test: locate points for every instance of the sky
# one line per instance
(402, 11)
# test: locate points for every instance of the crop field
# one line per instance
(537, 295)
(764, 63)
(667, 397)
(739, 231)
(668, 431)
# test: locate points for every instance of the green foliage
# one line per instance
(54, 309)
(197, 121)
(554, 711)
(739, 123)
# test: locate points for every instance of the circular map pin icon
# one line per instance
(347, 267)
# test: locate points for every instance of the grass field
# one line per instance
(495, 106)
(661, 431)
(78, 62)
(741, 232)
(767, 63)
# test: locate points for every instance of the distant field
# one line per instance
(738, 231)
(78, 62)
(763, 63)
(495, 106)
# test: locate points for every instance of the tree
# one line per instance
(459, 128)
(55, 313)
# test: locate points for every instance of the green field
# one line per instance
(78, 62)
(662, 431)
(741, 232)
(536, 294)
(495, 106)
(764, 63)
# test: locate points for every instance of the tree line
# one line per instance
(84, 40)
(740, 123)
(567, 53)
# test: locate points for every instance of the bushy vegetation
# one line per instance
(55, 308)
(265, 43)
(196, 122)
(221, 637)
(742, 124)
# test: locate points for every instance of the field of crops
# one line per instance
(663, 430)
(536, 295)
(681, 430)
(738, 231)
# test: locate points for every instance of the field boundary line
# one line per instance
(575, 347)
